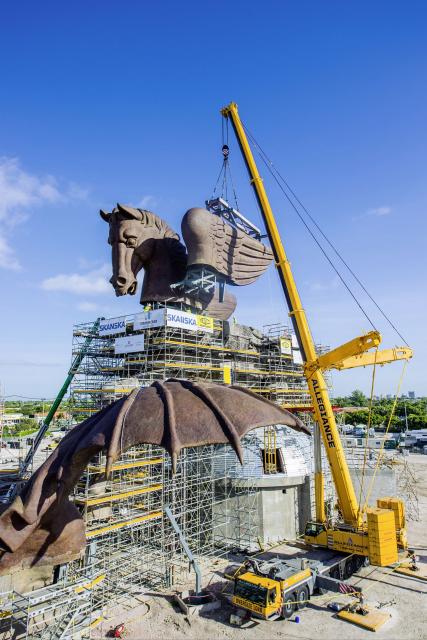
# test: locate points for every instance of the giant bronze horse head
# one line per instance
(141, 240)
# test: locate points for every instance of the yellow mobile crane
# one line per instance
(374, 533)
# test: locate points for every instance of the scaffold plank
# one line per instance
(113, 497)
(118, 466)
(116, 390)
(278, 390)
(122, 525)
(89, 585)
(185, 365)
(210, 347)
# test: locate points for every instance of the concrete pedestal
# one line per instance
(278, 510)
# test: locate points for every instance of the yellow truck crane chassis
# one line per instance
(276, 588)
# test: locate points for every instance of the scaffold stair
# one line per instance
(66, 627)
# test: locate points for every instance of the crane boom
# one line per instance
(384, 356)
(316, 383)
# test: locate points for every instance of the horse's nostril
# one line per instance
(121, 281)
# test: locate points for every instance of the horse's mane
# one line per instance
(150, 219)
(176, 249)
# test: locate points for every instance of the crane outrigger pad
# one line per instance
(372, 620)
(407, 570)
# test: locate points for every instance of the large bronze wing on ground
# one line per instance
(211, 241)
(43, 526)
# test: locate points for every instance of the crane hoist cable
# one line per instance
(369, 422)
(225, 171)
(225, 150)
(340, 276)
(279, 178)
(381, 451)
(232, 185)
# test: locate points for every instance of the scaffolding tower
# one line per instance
(230, 352)
(131, 544)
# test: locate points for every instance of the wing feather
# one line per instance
(231, 252)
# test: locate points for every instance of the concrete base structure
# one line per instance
(277, 509)
(283, 507)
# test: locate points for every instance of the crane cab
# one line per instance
(315, 533)
(257, 594)
(276, 593)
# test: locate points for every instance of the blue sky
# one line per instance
(106, 102)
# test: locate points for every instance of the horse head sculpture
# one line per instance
(141, 240)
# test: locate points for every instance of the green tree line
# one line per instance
(414, 412)
(29, 408)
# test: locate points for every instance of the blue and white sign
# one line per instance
(129, 344)
(112, 326)
(149, 319)
(185, 320)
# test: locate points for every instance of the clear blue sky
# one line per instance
(119, 101)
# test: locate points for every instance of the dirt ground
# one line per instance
(404, 598)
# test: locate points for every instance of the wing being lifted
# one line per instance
(234, 254)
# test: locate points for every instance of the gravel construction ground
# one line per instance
(404, 598)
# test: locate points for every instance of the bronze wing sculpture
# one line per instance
(240, 258)
(42, 526)
(142, 240)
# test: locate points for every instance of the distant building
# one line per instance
(411, 395)
(12, 419)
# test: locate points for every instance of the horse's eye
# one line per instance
(131, 242)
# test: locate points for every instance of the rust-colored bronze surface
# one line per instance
(41, 526)
(232, 253)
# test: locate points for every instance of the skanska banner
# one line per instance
(112, 326)
(149, 319)
(185, 320)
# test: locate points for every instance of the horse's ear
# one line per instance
(104, 215)
(129, 211)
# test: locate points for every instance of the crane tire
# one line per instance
(350, 568)
(335, 572)
(303, 596)
(288, 606)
